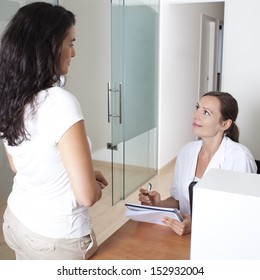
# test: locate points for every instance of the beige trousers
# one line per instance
(31, 246)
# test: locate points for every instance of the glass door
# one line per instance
(133, 93)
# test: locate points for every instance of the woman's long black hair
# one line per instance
(29, 62)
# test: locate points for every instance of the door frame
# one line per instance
(210, 56)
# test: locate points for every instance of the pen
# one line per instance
(149, 188)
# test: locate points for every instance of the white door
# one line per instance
(210, 55)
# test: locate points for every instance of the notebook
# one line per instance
(151, 214)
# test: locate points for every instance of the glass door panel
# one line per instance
(141, 91)
(133, 93)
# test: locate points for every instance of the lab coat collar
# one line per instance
(219, 156)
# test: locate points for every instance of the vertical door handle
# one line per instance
(109, 92)
(120, 103)
(108, 102)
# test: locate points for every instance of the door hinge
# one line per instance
(111, 147)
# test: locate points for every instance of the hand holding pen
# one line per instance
(149, 197)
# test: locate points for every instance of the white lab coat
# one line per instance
(229, 156)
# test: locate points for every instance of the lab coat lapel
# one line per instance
(218, 157)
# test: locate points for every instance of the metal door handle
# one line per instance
(119, 91)
(120, 103)
(108, 102)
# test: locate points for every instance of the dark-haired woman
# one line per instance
(43, 131)
(218, 147)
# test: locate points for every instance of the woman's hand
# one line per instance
(181, 228)
(149, 197)
(101, 180)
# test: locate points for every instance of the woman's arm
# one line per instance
(76, 157)
(169, 202)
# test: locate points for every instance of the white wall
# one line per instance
(241, 70)
(180, 27)
(241, 67)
